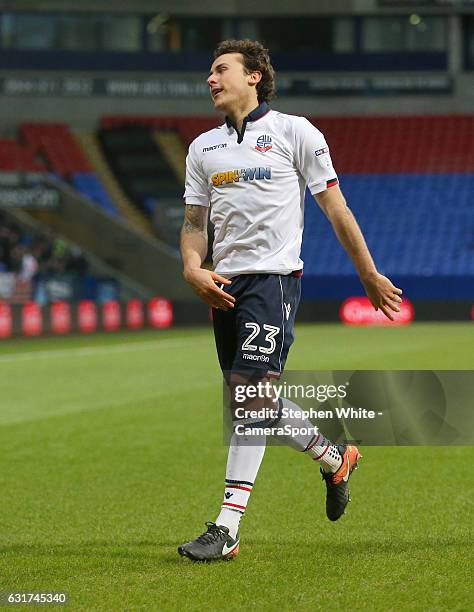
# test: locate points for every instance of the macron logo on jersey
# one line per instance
(244, 174)
(222, 145)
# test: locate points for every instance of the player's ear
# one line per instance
(255, 77)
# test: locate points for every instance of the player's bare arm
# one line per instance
(193, 252)
(380, 290)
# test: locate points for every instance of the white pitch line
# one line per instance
(100, 350)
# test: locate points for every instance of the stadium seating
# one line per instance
(188, 127)
(362, 144)
(64, 157)
(14, 156)
(88, 184)
(414, 224)
(55, 142)
(409, 180)
(428, 144)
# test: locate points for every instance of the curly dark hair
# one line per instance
(255, 58)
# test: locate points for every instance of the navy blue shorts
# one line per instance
(256, 335)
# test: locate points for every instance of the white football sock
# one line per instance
(315, 444)
(243, 463)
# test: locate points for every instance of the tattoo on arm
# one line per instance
(195, 219)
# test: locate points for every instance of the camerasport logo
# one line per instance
(264, 143)
(359, 311)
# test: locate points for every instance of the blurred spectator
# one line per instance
(30, 255)
(29, 266)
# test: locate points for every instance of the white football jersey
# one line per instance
(255, 183)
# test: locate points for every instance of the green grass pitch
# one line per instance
(111, 455)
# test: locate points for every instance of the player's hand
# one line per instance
(383, 294)
(203, 282)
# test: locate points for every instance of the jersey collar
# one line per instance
(257, 113)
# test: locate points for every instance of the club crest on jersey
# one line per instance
(264, 143)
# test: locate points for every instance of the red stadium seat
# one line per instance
(56, 143)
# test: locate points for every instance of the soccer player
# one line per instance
(252, 171)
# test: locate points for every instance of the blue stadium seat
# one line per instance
(89, 185)
(414, 224)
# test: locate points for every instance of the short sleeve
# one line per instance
(312, 157)
(196, 189)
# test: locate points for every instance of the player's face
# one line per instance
(228, 82)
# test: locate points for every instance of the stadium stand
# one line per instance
(110, 185)
(409, 181)
(188, 127)
(395, 212)
(32, 261)
(55, 142)
(425, 144)
(174, 150)
(145, 166)
(395, 171)
(15, 156)
(88, 184)
(63, 156)
(139, 164)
